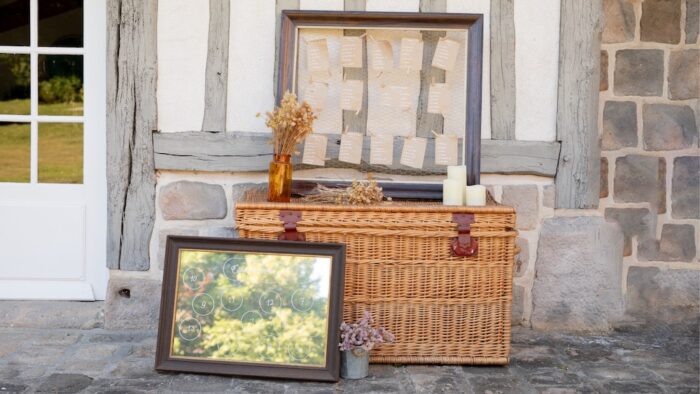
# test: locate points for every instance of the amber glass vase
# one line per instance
(279, 187)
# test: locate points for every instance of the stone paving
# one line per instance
(656, 360)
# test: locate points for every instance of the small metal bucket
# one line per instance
(354, 364)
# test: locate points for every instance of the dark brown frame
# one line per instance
(292, 20)
(328, 373)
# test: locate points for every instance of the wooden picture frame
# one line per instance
(293, 20)
(225, 308)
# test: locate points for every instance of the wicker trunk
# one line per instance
(400, 265)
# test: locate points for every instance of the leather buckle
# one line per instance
(289, 222)
(464, 245)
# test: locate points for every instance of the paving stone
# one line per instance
(163, 237)
(641, 179)
(639, 72)
(189, 383)
(501, 385)
(65, 383)
(635, 222)
(52, 314)
(525, 200)
(632, 387)
(577, 283)
(677, 243)
(437, 379)
(669, 127)
(522, 259)
(619, 125)
(603, 178)
(12, 388)
(683, 78)
(533, 357)
(671, 295)
(619, 22)
(661, 21)
(603, 86)
(692, 21)
(185, 200)
(685, 188)
(133, 303)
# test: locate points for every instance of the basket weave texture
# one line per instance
(442, 309)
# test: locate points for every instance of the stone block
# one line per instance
(52, 314)
(525, 200)
(684, 74)
(666, 296)
(518, 305)
(522, 259)
(661, 21)
(692, 21)
(619, 125)
(685, 188)
(185, 200)
(619, 21)
(641, 179)
(677, 243)
(163, 236)
(635, 222)
(578, 279)
(240, 190)
(639, 72)
(603, 178)
(548, 196)
(603, 86)
(132, 303)
(669, 127)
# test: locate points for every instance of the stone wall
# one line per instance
(650, 168)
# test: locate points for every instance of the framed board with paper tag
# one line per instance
(251, 307)
(395, 93)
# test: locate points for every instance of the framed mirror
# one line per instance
(395, 93)
(251, 307)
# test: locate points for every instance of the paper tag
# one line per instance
(411, 56)
(351, 52)
(351, 95)
(413, 152)
(396, 96)
(446, 150)
(315, 94)
(317, 55)
(381, 55)
(351, 148)
(315, 150)
(446, 54)
(381, 149)
(438, 99)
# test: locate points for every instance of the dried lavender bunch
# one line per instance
(290, 123)
(362, 336)
(359, 193)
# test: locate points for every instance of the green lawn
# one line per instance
(60, 147)
(21, 107)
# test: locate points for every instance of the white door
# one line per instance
(52, 149)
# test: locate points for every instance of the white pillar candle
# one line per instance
(476, 195)
(452, 192)
(459, 174)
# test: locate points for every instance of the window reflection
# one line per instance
(14, 22)
(60, 153)
(14, 84)
(60, 85)
(14, 152)
(61, 23)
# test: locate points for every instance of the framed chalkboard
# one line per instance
(251, 307)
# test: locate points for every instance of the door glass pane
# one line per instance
(14, 22)
(61, 23)
(14, 84)
(14, 152)
(60, 85)
(60, 153)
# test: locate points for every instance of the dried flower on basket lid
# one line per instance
(359, 193)
(291, 122)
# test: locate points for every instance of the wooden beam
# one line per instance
(502, 70)
(246, 152)
(280, 5)
(131, 118)
(216, 75)
(578, 175)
